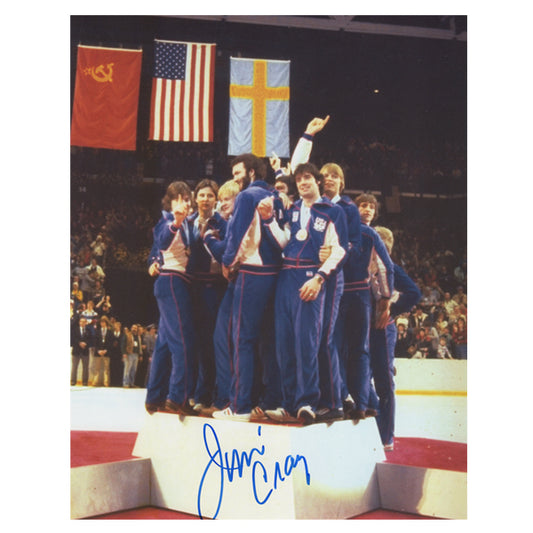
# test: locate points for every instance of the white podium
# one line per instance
(247, 470)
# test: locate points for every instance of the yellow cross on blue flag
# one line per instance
(259, 107)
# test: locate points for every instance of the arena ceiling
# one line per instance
(429, 27)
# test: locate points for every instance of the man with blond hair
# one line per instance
(329, 350)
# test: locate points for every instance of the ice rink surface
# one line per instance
(117, 409)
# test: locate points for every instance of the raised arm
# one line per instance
(302, 152)
(277, 235)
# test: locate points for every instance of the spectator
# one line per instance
(84, 255)
(98, 247)
(142, 366)
(403, 319)
(423, 344)
(459, 337)
(101, 360)
(443, 352)
(115, 356)
(415, 353)
(76, 294)
(104, 306)
(94, 273)
(418, 318)
(460, 296)
(441, 322)
(85, 281)
(447, 336)
(459, 272)
(98, 293)
(131, 352)
(429, 300)
(80, 342)
(149, 343)
(78, 310)
(459, 312)
(449, 304)
(404, 340)
(90, 313)
(445, 280)
(433, 337)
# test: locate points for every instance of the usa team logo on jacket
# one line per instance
(320, 224)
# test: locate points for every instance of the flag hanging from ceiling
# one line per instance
(106, 98)
(182, 92)
(259, 107)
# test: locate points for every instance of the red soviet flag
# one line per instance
(106, 97)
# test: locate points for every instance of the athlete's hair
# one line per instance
(333, 168)
(386, 236)
(251, 162)
(370, 198)
(229, 188)
(175, 189)
(202, 184)
(312, 169)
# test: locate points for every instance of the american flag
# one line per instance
(182, 92)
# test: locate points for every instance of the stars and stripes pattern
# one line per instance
(182, 92)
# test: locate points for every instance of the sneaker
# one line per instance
(152, 408)
(180, 409)
(258, 414)
(357, 414)
(371, 413)
(348, 405)
(306, 415)
(389, 447)
(329, 415)
(280, 415)
(197, 406)
(208, 411)
(228, 414)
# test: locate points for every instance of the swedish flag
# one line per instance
(259, 107)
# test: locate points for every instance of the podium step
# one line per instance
(172, 447)
(238, 470)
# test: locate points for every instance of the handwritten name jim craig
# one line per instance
(222, 467)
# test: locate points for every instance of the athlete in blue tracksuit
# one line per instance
(171, 381)
(313, 222)
(354, 320)
(328, 357)
(382, 343)
(209, 286)
(222, 341)
(253, 262)
(330, 374)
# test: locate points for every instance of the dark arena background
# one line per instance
(396, 91)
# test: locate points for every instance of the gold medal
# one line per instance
(301, 234)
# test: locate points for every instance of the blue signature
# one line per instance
(226, 465)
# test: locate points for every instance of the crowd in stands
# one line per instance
(431, 166)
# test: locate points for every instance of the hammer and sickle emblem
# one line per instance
(99, 73)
